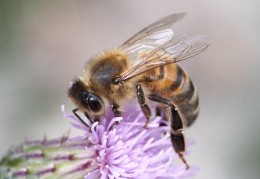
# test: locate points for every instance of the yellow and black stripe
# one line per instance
(171, 85)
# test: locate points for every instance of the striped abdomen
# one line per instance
(172, 83)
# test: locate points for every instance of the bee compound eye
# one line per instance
(94, 104)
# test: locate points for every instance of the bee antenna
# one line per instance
(79, 118)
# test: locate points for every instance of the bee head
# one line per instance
(86, 101)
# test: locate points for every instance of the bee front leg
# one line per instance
(141, 100)
(115, 109)
(117, 113)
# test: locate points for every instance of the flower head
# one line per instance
(115, 147)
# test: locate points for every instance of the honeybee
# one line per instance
(144, 68)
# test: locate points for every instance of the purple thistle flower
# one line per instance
(113, 148)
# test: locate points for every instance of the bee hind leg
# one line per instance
(144, 107)
(177, 137)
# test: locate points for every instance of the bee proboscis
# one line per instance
(144, 67)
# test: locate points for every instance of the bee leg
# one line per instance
(177, 137)
(115, 110)
(161, 100)
(117, 113)
(141, 100)
(79, 118)
(158, 111)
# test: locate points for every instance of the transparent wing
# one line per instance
(152, 36)
(177, 49)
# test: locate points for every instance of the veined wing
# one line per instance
(152, 36)
(177, 49)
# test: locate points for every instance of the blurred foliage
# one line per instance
(246, 162)
(10, 14)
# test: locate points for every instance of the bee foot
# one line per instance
(184, 161)
(146, 125)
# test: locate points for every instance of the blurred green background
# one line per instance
(45, 44)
